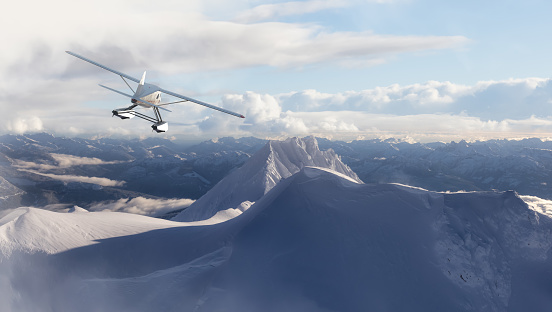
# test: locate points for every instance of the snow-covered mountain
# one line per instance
(50, 170)
(521, 165)
(315, 239)
(277, 160)
(9, 193)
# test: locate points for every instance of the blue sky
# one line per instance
(342, 69)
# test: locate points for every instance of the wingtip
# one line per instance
(242, 116)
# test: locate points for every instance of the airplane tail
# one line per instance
(140, 85)
(143, 79)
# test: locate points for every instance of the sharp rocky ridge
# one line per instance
(276, 161)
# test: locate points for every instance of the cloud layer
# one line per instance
(80, 179)
(44, 89)
(143, 206)
(64, 161)
(488, 109)
(429, 111)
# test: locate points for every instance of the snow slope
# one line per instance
(35, 230)
(317, 241)
(325, 243)
(277, 160)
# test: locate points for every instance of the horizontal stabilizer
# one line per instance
(116, 91)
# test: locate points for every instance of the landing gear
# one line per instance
(160, 126)
(127, 113)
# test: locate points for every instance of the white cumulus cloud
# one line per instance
(22, 125)
(257, 107)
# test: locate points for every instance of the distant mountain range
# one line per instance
(42, 169)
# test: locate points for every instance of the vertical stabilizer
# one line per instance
(140, 85)
(143, 79)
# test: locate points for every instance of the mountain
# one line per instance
(51, 170)
(9, 193)
(521, 165)
(57, 170)
(277, 160)
(317, 241)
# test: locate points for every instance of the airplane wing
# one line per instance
(201, 103)
(130, 96)
(103, 67)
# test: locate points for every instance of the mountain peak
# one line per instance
(274, 162)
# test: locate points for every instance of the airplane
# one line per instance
(149, 96)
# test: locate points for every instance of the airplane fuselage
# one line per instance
(148, 93)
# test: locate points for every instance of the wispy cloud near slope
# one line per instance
(74, 178)
(64, 161)
(143, 206)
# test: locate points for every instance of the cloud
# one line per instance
(426, 112)
(507, 99)
(66, 161)
(22, 125)
(175, 47)
(272, 11)
(352, 124)
(445, 110)
(143, 206)
(432, 109)
(81, 179)
(63, 161)
(257, 107)
(44, 89)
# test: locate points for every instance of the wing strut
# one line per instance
(127, 84)
(157, 114)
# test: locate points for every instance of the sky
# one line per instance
(421, 70)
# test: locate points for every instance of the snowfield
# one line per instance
(35, 230)
(308, 236)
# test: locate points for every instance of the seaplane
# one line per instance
(148, 96)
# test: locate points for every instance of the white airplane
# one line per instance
(149, 96)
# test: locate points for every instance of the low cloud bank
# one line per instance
(143, 206)
(81, 179)
(63, 162)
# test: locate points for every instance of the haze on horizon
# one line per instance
(426, 70)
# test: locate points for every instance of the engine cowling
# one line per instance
(162, 126)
